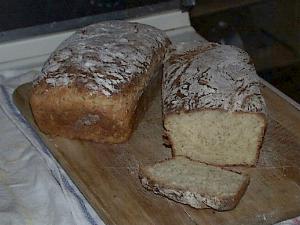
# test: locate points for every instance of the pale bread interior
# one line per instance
(216, 137)
(181, 173)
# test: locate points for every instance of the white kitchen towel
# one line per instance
(34, 189)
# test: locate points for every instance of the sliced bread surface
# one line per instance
(196, 184)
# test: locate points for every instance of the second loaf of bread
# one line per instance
(212, 105)
(91, 86)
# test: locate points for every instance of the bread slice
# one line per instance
(212, 105)
(196, 184)
(93, 85)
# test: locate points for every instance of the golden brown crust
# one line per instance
(84, 99)
(75, 114)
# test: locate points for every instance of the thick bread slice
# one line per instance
(212, 105)
(196, 184)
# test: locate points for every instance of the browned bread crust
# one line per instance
(211, 76)
(90, 86)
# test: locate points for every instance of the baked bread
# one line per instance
(196, 184)
(212, 106)
(91, 85)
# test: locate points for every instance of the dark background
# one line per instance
(269, 30)
(25, 13)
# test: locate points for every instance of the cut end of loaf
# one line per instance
(216, 137)
(196, 184)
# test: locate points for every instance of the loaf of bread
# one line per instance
(91, 86)
(212, 105)
(196, 184)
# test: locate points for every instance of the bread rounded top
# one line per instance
(105, 57)
(211, 76)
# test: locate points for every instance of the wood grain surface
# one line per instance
(107, 174)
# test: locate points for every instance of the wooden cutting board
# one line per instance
(107, 174)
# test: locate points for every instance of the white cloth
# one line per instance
(34, 189)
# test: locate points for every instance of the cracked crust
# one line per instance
(211, 76)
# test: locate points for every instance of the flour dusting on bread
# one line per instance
(212, 76)
(104, 57)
